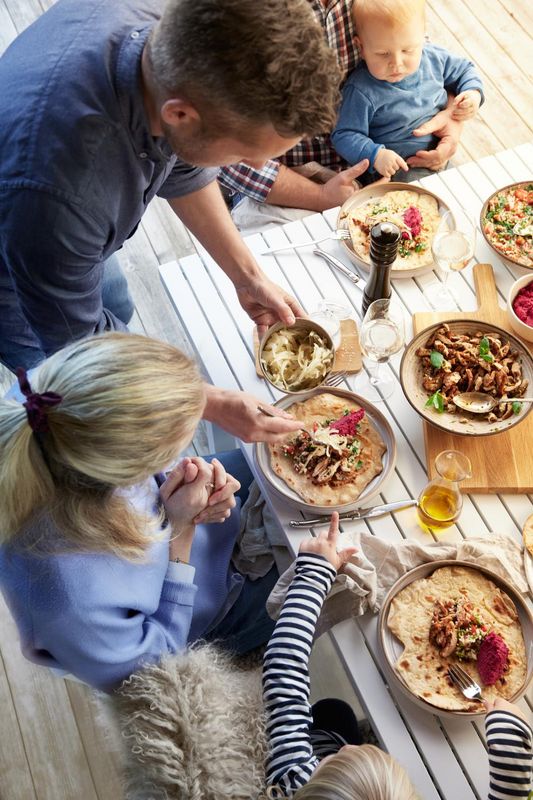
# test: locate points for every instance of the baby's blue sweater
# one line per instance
(100, 617)
(376, 114)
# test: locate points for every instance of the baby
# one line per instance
(400, 84)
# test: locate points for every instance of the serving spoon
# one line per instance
(479, 403)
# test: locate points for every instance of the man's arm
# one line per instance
(284, 187)
(205, 214)
(53, 251)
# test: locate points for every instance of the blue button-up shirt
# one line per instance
(78, 165)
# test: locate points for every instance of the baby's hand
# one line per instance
(387, 163)
(466, 105)
(326, 545)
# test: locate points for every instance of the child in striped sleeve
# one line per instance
(314, 757)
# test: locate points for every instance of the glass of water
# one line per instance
(382, 335)
(453, 249)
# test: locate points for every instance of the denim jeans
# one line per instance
(247, 624)
(115, 297)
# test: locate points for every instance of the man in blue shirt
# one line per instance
(104, 105)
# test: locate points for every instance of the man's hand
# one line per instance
(266, 303)
(236, 413)
(339, 189)
(387, 163)
(448, 131)
(466, 104)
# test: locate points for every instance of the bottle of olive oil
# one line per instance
(441, 501)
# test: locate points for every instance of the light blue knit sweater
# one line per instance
(100, 617)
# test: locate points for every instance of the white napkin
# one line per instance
(378, 564)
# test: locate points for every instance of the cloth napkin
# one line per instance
(378, 564)
(260, 541)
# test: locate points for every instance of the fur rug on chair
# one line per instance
(193, 728)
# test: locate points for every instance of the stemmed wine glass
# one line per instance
(382, 335)
(453, 248)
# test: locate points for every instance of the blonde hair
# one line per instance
(130, 405)
(390, 13)
(355, 773)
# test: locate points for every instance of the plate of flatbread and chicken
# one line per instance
(453, 612)
(414, 210)
(342, 465)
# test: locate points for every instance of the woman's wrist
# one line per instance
(180, 543)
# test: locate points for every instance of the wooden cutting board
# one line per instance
(348, 357)
(500, 463)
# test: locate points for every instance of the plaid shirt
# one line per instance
(335, 18)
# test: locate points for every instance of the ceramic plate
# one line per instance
(411, 370)
(374, 192)
(392, 647)
(380, 423)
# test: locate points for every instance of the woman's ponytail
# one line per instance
(26, 485)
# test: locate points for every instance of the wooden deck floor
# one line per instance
(50, 745)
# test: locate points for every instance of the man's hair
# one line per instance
(389, 13)
(254, 60)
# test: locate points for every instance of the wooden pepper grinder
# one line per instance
(384, 241)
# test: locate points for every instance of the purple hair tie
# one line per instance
(36, 403)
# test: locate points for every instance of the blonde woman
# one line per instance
(104, 563)
(313, 750)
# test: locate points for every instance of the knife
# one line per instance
(363, 513)
(334, 262)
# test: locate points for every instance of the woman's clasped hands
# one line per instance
(197, 491)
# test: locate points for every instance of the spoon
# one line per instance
(479, 403)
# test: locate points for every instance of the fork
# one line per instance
(467, 685)
(339, 235)
(335, 379)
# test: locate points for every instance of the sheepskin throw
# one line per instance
(193, 727)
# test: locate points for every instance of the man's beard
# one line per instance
(191, 150)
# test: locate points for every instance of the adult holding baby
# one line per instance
(106, 564)
(285, 181)
(401, 81)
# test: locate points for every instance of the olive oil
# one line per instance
(440, 503)
(438, 507)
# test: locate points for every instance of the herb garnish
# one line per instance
(359, 464)
(484, 350)
(437, 359)
(516, 407)
(437, 401)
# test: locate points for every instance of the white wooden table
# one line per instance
(445, 757)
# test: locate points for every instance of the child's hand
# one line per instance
(387, 163)
(466, 105)
(326, 545)
(503, 705)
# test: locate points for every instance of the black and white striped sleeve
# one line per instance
(509, 740)
(286, 675)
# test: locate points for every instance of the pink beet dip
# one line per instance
(491, 659)
(523, 304)
(412, 217)
(347, 425)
